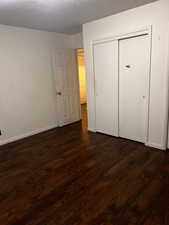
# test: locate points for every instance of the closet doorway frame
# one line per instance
(147, 31)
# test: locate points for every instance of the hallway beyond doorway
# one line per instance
(82, 75)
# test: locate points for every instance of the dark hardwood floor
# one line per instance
(68, 176)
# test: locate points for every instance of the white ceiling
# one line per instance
(64, 16)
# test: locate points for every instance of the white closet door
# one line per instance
(106, 87)
(67, 87)
(133, 85)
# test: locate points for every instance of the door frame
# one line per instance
(77, 68)
(78, 85)
(167, 97)
(139, 32)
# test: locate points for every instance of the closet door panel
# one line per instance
(106, 87)
(133, 85)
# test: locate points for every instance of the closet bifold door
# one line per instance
(105, 61)
(134, 58)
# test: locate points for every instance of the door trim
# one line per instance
(140, 32)
(167, 97)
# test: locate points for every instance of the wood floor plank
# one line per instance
(67, 176)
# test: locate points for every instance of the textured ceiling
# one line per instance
(64, 16)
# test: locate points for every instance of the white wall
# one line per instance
(155, 14)
(27, 89)
(77, 41)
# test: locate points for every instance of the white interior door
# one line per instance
(133, 85)
(106, 87)
(67, 86)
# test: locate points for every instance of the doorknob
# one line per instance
(59, 93)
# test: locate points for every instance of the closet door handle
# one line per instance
(128, 66)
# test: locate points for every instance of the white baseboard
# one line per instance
(91, 130)
(158, 146)
(29, 134)
(149, 144)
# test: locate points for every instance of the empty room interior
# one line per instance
(84, 112)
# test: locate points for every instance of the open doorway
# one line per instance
(82, 85)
